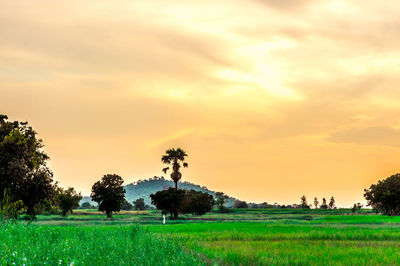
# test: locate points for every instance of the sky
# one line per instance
(271, 100)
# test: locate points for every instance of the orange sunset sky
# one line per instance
(271, 99)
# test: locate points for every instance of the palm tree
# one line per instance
(174, 157)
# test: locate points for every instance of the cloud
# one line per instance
(379, 135)
(253, 83)
(285, 4)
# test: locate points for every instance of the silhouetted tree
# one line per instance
(139, 204)
(221, 199)
(67, 199)
(323, 205)
(126, 206)
(109, 194)
(303, 203)
(384, 196)
(174, 157)
(356, 207)
(23, 170)
(316, 203)
(332, 203)
(168, 201)
(240, 204)
(196, 202)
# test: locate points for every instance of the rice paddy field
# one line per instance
(240, 237)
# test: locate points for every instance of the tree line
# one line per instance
(27, 184)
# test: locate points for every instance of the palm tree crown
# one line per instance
(174, 157)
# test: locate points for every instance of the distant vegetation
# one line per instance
(28, 186)
(144, 188)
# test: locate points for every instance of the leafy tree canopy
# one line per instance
(196, 202)
(139, 204)
(221, 199)
(67, 199)
(109, 194)
(168, 201)
(303, 203)
(23, 170)
(384, 196)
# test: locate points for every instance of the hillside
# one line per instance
(143, 189)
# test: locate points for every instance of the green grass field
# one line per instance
(247, 237)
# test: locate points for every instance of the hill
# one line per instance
(143, 189)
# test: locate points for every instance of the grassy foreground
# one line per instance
(104, 245)
(291, 244)
(241, 237)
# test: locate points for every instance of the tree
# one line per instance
(86, 205)
(23, 170)
(67, 199)
(384, 196)
(174, 157)
(109, 194)
(303, 203)
(316, 203)
(168, 201)
(196, 202)
(323, 205)
(126, 206)
(332, 203)
(139, 204)
(356, 207)
(240, 204)
(221, 199)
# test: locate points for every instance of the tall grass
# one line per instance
(290, 244)
(241, 237)
(105, 245)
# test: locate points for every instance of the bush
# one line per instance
(8, 208)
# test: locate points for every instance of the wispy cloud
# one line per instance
(253, 88)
